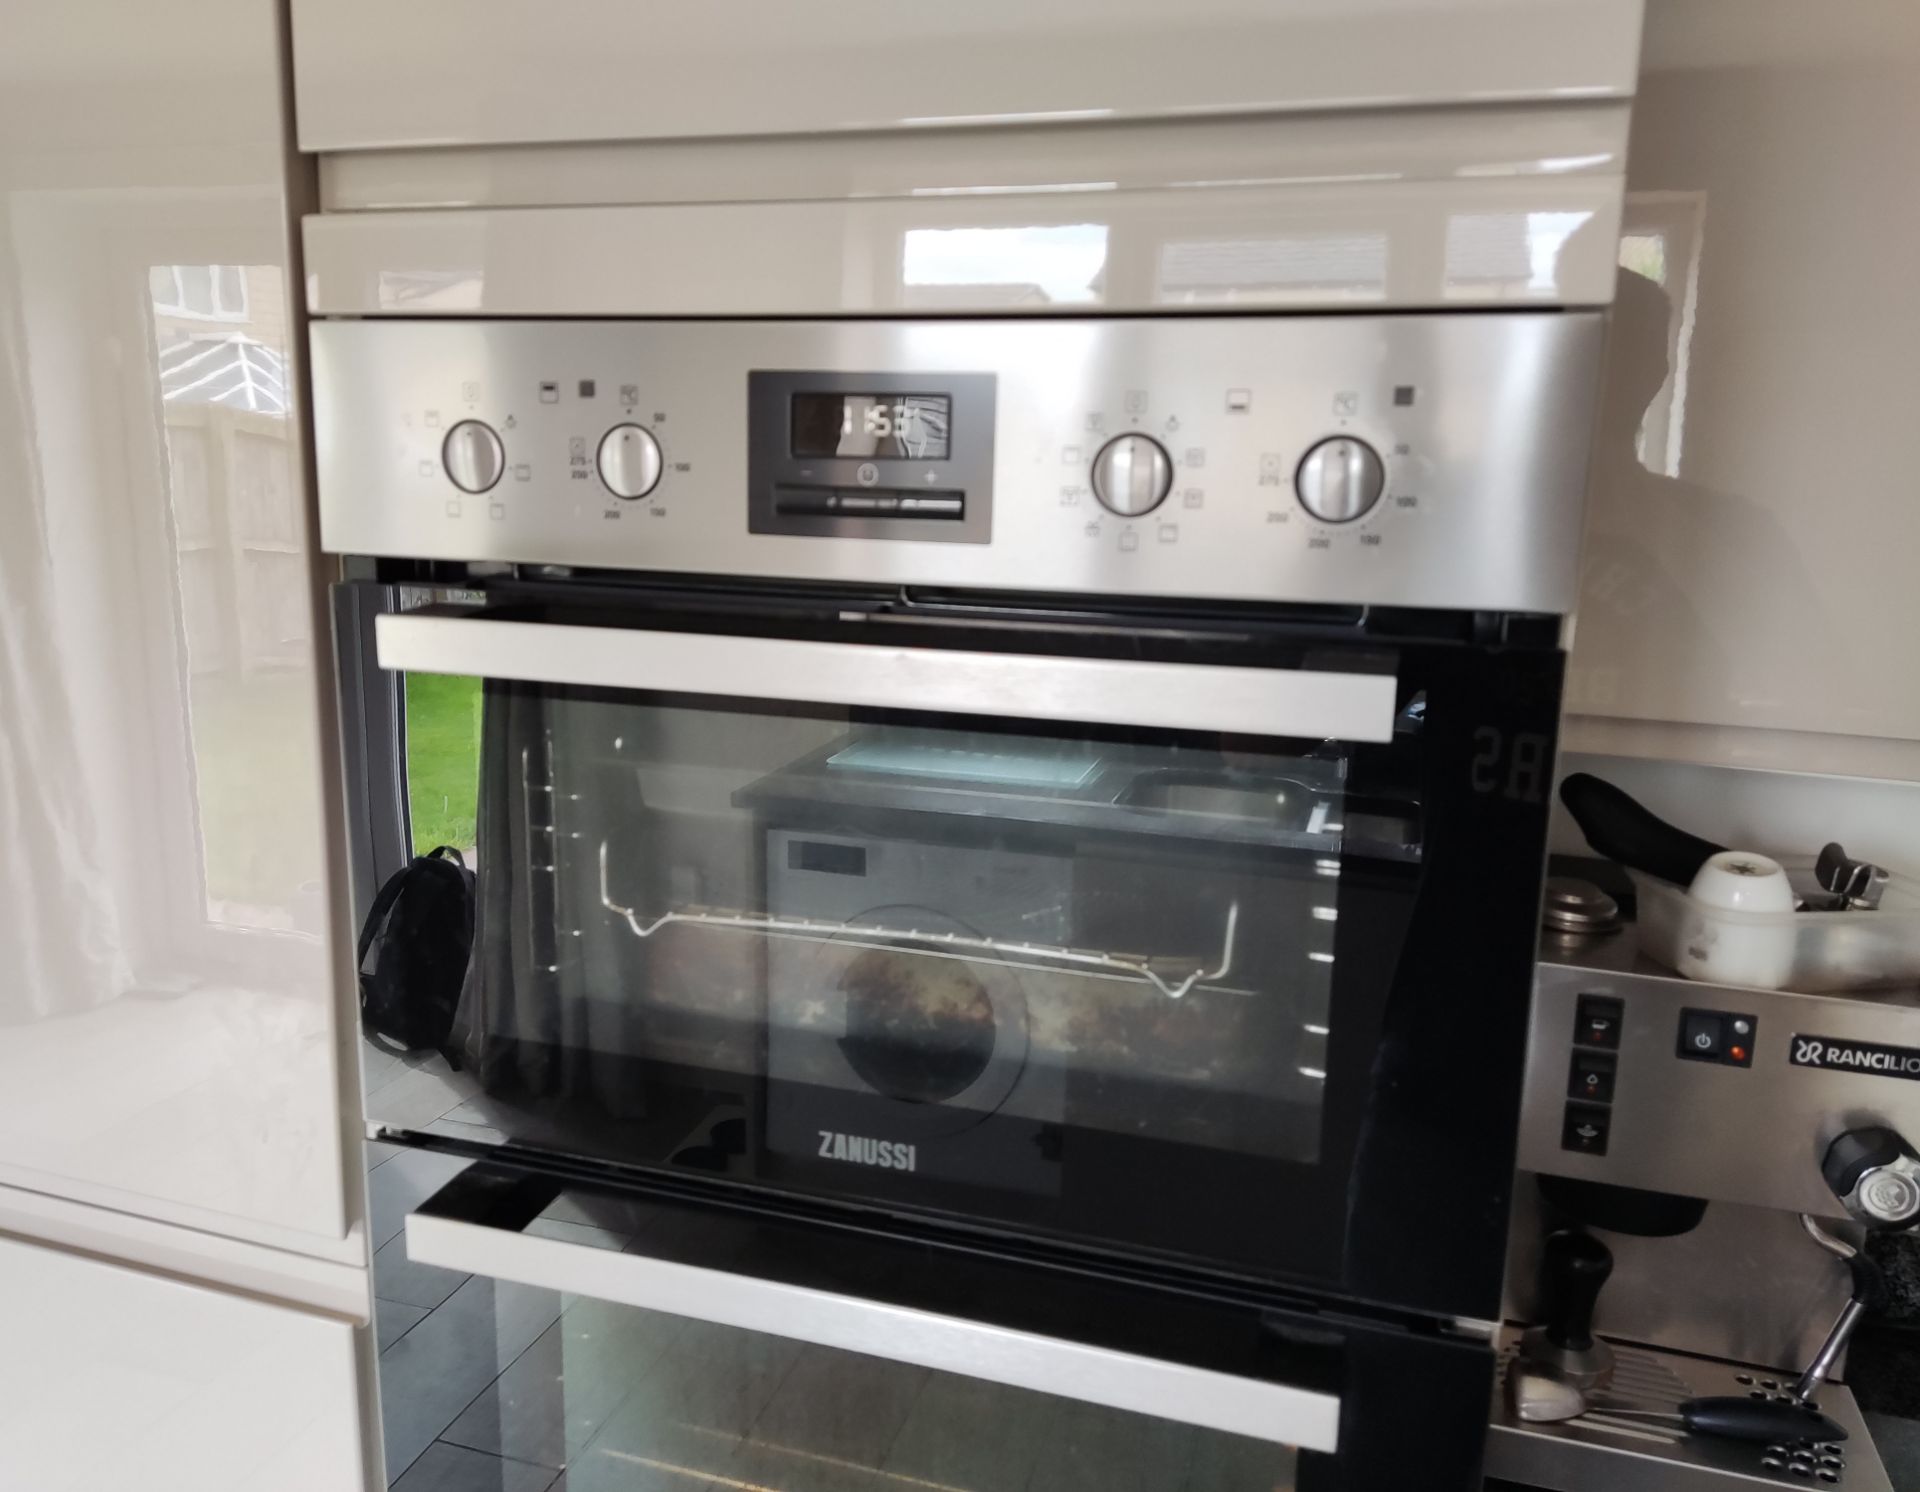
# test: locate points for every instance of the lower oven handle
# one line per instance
(1312, 703)
(1305, 1418)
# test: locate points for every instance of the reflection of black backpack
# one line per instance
(420, 933)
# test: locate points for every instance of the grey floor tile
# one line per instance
(378, 1066)
(397, 1277)
(436, 1370)
(454, 1129)
(402, 1184)
(581, 1233)
(1234, 1463)
(694, 1409)
(473, 1111)
(597, 1210)
(560, 1392)
(840, 1405)
(829, 1425)
(1898, 1442)
(379, 1152)
(1095, 1449)
(629, 1471)
(418, 1095)
(393, 1319)
(966, 1432)
(452, 1468)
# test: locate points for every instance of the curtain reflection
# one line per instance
(241, 587)
(59, 925)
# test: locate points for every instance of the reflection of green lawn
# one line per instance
(258, 783)
(443, 759)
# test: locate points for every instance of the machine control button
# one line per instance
(629, 461)
(1585, 1129)
(1340, 479)
(1591, 1077)
(473, 456)
(1597, 1021)
(1132, 475)
(1717, 1036)
(1702, 1035)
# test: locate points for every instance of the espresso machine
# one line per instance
(1708, 1173)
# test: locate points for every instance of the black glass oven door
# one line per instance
(1204, 948)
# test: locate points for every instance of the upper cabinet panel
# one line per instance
(167, 1006)
(1752, 523)
(445, 72)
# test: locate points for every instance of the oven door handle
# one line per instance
(472, 1225)
(1312, 703)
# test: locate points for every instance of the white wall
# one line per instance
(1767, 584)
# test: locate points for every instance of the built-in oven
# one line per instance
(1019, 840)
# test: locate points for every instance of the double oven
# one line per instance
(1017, 841)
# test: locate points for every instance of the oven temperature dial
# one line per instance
(1132, 475)
(473, 456)
(1340, 479)
(629, 461)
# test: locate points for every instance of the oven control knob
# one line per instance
(473, 456)
(630, 461)
(1132, 475)
(1340, 479)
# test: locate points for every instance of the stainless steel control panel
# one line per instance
(1406, 460)
(1640, 1078)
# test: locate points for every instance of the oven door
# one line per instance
(1207, 946)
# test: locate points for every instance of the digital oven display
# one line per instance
(907, 427)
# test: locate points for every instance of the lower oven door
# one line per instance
(693, 1343)
(1207, 948)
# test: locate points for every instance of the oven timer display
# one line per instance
(906, 427)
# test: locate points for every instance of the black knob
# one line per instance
(1575, 1266)
(1876, 1174)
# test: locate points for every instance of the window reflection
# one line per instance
(1301, 267)
(241, 589)
(1660, 241)
(959, 267)
(1507, 255)
(407, 290)
(201, 292)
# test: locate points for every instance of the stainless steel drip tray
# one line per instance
(1599, 1452)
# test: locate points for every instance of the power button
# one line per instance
(1717, 1036)
(1701, 1036)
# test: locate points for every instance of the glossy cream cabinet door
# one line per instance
(446, 72)
(111, 1379)
(1749, 592)
(169, 1028)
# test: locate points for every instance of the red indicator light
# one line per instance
(1738, 1053)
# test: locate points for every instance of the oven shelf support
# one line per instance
(995, 951)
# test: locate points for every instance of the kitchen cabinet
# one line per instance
(113, 1378)
(1747, 596)
(371, 75)
(170, 1032)
(183, 1273)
